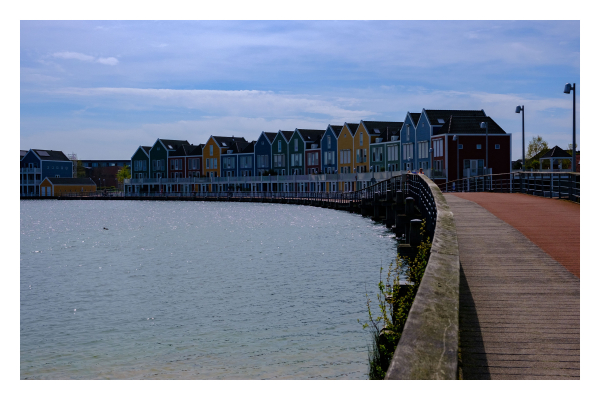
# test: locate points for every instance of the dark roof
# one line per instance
(287, 134)
(173, 143)
(51, 155)
(311, 135)
(71, 181)
(197, 150)
(459, 124)
(229, 141)
(270, 136)
(336, 129)
(415, 117)
(249, 148)
(435, 115)
(383, 129)
(183, 150)
(352, 127)
(146, 149)
(556, 152)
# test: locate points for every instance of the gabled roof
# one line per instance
(456, 125)
(415, 118)
(229, 141)
(311, 135)
(383, 129)
(50, 155)
(351, 127)
(146, 149)
(557, 152)
(270, 136)
(197, 150)
(287, 135)
(71, 181)
(336, 129)
(249, 147)
(440, 117)
(171, 144)
(183, 150)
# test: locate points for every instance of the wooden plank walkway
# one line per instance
(519, 308)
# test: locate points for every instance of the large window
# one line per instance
(423, 149)
(279, 160)
(438, 148)
(392, 152)
(408, 151)
(296, 160)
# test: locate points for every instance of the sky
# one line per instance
(100, 89)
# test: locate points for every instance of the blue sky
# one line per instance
(102, 88)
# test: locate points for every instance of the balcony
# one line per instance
(31, 170)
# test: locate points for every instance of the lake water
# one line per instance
(193, 290)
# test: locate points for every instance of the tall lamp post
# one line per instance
(521, 109)
(568, 88)
(486, 166)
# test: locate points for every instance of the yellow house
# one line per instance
(362, 139)
(346, 157)
(211, 155)
(65, 186)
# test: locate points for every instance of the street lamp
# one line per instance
(485, 125)
(455, 139)
(568, 88)
(431, 158)
(518, 110)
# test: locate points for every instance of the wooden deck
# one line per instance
(519, 308)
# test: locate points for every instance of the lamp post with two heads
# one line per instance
(521, 109)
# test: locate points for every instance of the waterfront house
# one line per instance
(38, 164)
(311, 140)
(159, 158)
(140, 163)
(329, 145)
(229, 155)
(262, 152)
(407, 141)
(466, 155)
(385, 149)
(279, 151)
(346, 159)
(429, 124)
(52, 186)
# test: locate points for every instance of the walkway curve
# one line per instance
(553, 225)
(519, 308)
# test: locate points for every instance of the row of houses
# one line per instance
(445, 144)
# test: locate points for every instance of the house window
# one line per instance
(361, 139)
(210, 148)
(279, 146)
(460, 146)
(329, 142)
(295, 144)
(497, 146)
(407, 132)
(478, 147)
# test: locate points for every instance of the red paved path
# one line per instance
(553, 225)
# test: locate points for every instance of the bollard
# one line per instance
(410, 206)
(399, 198)
(415, 232)
(375, 206)
(399, 226)
(388, 196)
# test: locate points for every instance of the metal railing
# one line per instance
(561, 185)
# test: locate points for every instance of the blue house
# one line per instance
(229, 155)
(329, 148)
(36, 165)
(246, 160)
(408, 140)
(262, 152)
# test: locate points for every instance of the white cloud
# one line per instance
(70, 55)
(108, 61)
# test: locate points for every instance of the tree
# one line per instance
(80, 170)
(123, 174)
(536, 146)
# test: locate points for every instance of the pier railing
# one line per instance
(561, 185)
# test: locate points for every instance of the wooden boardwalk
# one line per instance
(519, 308)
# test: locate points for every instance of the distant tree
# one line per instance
(571, 148)
(517, 165)
(536, 146)
(535, 164)
(80, 170)
(124, 173)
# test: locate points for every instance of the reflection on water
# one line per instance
(195, 290)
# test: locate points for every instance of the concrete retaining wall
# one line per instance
(428, 348)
